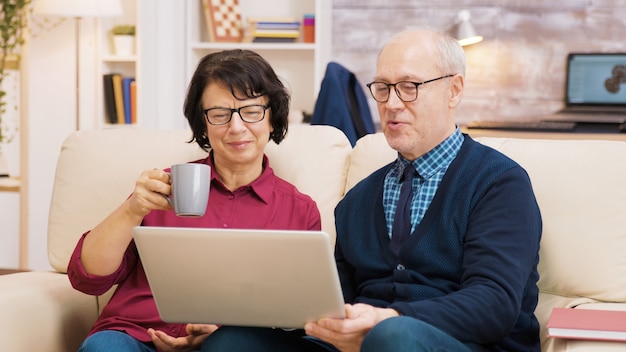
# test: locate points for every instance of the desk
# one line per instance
(9, 184)
(475, 132)
(11, 271)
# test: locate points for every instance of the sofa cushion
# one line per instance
(97, 170)
(62, 315)
(370, 153)
(315, 159)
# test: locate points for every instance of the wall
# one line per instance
(51, 119)
(517, 72)
(52, 97)
(9, 201)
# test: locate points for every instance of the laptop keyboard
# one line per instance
(532, 126)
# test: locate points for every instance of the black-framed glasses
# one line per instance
(248, 113)
(405, 90)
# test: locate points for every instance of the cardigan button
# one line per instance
(400, 267)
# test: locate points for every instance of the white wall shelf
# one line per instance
(253, 46)
(301, 65)
(109, 62)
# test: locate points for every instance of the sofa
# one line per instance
(580, 186)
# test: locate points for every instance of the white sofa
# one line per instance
(580, 186)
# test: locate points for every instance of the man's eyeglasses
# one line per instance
(405, 90)
(222, 116)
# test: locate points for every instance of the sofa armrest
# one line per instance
(42, 312)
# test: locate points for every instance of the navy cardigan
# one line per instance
(470, 266)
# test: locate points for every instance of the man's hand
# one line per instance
(197, 334)
(347, 334)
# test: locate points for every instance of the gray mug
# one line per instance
(190, 188)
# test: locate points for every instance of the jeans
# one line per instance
(233, 338)
(404, 334)
(398, 334)
(118, 341)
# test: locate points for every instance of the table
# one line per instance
(4, 271)
(9, 184)
(542, 135)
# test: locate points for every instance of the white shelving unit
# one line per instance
(300, 65)
(126, 65)
(171, 37)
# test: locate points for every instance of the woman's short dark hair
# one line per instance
(243, 72)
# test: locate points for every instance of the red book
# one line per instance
(587, 324)
(133, 102)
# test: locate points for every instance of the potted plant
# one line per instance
(123, 39)
(13, 20)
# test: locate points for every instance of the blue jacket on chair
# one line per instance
(342, 103)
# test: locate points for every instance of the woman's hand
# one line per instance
(151, 189)
(197, 334)
(105, 245)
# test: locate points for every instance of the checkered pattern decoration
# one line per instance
(223, 20)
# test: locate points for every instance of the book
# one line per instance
(273, 40)
(271, 19)
(109, 98)
(278, 25)
(126, 95)
(133, 102)
(273, 33)
(119, 98)
(587, 324)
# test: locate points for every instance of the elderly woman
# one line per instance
(235, 105)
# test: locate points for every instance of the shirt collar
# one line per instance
(262, 187)
(434, 160)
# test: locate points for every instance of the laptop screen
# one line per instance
(596, 79)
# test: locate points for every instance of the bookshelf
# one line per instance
(301, 65)
(110, 62)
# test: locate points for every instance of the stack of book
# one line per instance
(120, 99)
(274, 30)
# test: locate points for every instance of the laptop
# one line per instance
(595, 99)
(264, 278)
(595, 90)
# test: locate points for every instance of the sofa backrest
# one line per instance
(581, 190)
(97, 170)
(580, 186)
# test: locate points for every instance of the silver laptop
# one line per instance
(595, 89)
(264, 278)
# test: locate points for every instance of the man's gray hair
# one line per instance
(451, 58)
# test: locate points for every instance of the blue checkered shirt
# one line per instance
(431, 167)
